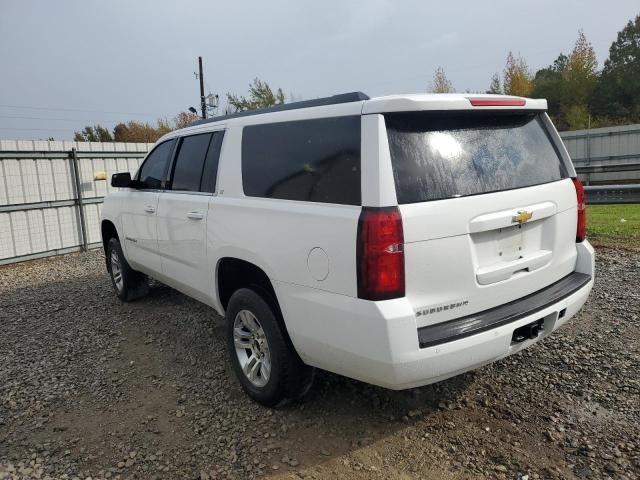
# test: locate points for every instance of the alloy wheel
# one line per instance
(116, 271)
(252, 348)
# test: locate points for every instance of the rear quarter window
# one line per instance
(316, 160)
(437, 155)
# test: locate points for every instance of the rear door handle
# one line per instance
(149, 209)
(195, 215)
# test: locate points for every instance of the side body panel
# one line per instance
(182, 235)
(139, 230)
(303, 243)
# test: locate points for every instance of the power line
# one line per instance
(58, 119)
(29, 107)
(37, 129)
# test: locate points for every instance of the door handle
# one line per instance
(149, 209)
(195, 215)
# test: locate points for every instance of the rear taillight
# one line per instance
(581, 208)
(380, 254)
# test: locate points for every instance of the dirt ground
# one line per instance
(92, 387)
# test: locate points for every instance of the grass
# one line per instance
(614, 225)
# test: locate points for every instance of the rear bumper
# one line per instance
(504, 314)
(378, 342)
(448, 359)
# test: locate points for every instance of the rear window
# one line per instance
(438, 155)
(315, 160)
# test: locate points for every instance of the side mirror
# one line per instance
(121, 180)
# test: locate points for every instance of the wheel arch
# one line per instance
(233, 273)
(108, 231)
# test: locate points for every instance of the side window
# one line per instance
(210, 172)
(187, 170)
(314, 160)
(154, 169)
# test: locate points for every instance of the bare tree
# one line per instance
(441, 84)
(184, 119)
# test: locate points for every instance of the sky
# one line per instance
(69, 63)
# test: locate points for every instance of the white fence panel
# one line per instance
(40, 198)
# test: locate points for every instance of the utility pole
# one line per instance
(203, 104)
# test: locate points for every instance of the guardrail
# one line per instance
(605, 156)
(612, 194)
(608, 167)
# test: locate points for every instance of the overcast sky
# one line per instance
(65, 64)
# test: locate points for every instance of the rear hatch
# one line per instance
(488, 208)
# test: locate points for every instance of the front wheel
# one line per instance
(128, 283)
(266, 364)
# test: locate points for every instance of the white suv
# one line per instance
(397, 240)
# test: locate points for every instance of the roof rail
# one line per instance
(316, 102)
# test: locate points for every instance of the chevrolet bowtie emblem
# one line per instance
(522, 216)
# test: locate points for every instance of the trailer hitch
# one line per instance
(528, 332)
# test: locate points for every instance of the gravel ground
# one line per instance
(91, 387)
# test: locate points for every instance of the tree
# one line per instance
(576, 117)
(495, 86)
(617, 93)
(163, 127)
(86, 135)
(568, 85)
(96, 133)
(517, 78)
(548, 83)
(134, 131)
(441, 84)
(260, 96)
(184, 119)
(580, 73)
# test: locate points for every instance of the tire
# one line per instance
(128, 283)
(253, 329)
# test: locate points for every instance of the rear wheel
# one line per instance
(266, 364)
(128, 283)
